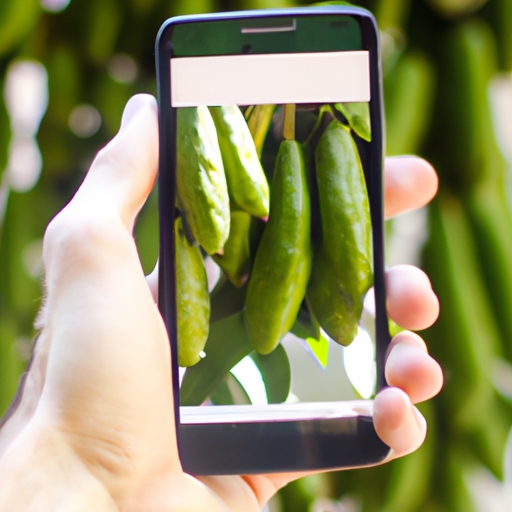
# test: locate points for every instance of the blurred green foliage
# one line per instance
(439, 57)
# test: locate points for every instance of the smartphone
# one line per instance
(271, 235)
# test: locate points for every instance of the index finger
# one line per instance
(409, 183)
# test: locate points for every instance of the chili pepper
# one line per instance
(247, 183)
(283, 261)
(201, 183)
(193, 301)
(235, 257)
(342, 269)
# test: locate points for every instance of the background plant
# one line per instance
(66, 71)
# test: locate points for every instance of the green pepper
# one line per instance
(200, 179)
(192, 299)
(247, 183)
(279, 277)
(235, 257)
(342, 268)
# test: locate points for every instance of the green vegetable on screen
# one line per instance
(247, 183)
(193, 301)
(342, 264)
(201, 182)
(283, 261)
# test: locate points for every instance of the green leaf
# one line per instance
(182, 7)
(409, 92)
(110, 97)
(267, 4)
(237, 390)
(105, 24)
(5, 136)
(394, 328)
(391, 14)
(320, 349)
(226, 299)
(228, 343)
(230, 392)
(17, 19)
(305, 325)
(338, 2)
(64, 82)
(259, 121)
(358, 117)
(11, 366)
(276, 374)
(144, 7)
(146, 233)
(222, 395)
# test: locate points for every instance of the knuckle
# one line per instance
(72, 238)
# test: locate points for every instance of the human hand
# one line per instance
(93, 426)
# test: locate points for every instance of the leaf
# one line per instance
(222, 395)
(237, 390)
(409, 91)
(358, 117)
(305, 325)
(17, 19)
(394, 328)
(11, 366)
(226, 299)
(338, 2)
(181, 7)
(146, 234)
(320, 349)
(230, 392)
(104, 24)
(5, 136)
(228, 343)
(259, 121)
(276, 374)
(110, 97)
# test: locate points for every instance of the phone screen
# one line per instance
(277, 223)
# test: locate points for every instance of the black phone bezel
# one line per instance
(265, 447)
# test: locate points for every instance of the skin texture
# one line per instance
(93, 427)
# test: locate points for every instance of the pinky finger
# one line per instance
(397, 422)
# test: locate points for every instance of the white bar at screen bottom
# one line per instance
(274, 412)
(327, 77)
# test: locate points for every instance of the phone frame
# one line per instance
(274, 446)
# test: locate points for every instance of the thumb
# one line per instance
(124, 171)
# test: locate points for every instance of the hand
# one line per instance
(93, 427)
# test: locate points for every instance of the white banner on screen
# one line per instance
(328, 77)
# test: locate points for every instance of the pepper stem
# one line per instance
(289, 122)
